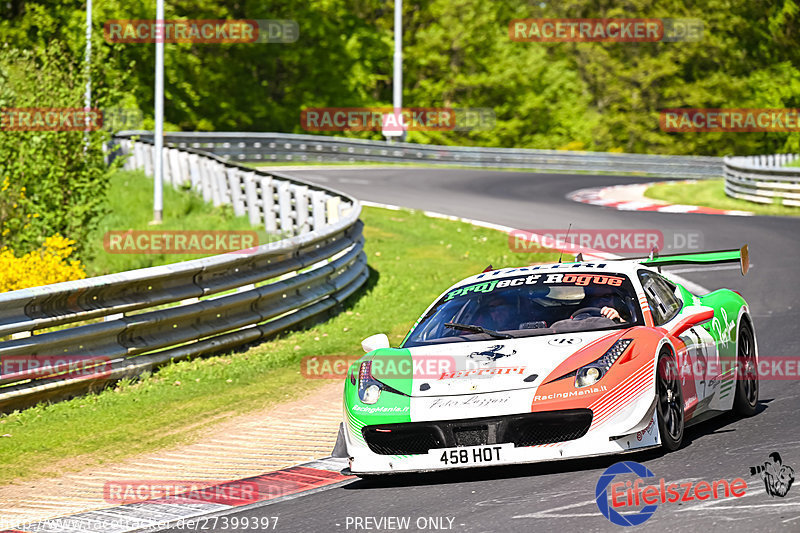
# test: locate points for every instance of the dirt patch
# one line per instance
(282, 435)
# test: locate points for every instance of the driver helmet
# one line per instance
(499, 308)
(600, 296)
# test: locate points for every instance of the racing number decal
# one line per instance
(475, 455)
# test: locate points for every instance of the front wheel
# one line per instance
(669, 406)
(746, 398)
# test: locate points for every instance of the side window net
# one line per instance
(661, 297)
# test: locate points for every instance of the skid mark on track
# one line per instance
(555, 512)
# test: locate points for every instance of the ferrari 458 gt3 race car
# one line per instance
(549, 362)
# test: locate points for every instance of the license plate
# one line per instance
(472, 455)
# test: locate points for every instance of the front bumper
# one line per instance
(544, 435)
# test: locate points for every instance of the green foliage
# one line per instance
(53, 182)
(459, 55)
(745, 60)
(594, 96)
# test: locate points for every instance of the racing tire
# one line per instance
(669, 404)
(745, 401)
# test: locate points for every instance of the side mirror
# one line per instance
(374, 342)
(698, 315)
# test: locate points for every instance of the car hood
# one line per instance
(486, 366)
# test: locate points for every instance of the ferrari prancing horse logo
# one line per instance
(492, 353)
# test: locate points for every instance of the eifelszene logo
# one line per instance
(601, 494)
(777, 477)
(644, 500)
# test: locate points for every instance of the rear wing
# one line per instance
(741, 256)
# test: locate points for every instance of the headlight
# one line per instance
(371, 394)
(587, 375)
(369, 388)
(591, 373)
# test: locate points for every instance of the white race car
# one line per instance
(550, 362)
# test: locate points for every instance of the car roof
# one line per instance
(628, 268)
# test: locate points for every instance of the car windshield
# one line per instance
(529, 305)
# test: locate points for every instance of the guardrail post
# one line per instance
(318, 208)
(136, 153)
(251, 199)
(194, 172)
(217, 183)
(301, 207)
(206, 183)
(235, 183)
(120, 147)
(185, 172)
(168, 174)
(285, 207)
(148, 160)
(333, 209)
(268, 205)
(222, 184)
(174, 162)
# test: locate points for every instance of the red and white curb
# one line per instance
(154, 515)
(631, 198)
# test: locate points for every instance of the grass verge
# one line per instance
(130, 206)
(413, 258)
(711, 193)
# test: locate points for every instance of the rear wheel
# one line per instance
(669, 406)
(746, 399)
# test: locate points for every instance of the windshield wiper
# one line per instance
(479, 329)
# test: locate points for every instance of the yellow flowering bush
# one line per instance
(48, 264)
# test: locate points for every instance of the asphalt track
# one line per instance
(560, 496)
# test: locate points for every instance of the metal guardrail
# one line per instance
(133, 321)
(272, 147)
(763, 179)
